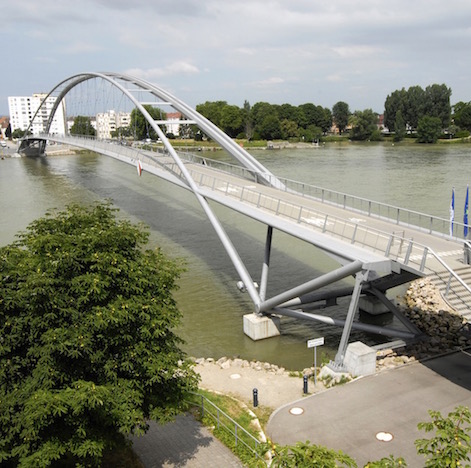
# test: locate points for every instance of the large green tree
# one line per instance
(232, 120)
(437, 103)
(340, 115)
(82, 126)
(88, 351)
(139, 125)
(364, 124)
(395, 102)
(212, 111)
(462, 115)
(429, 129)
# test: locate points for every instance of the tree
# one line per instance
(429, 129)
(212, 111)
(462, 115)
(18, 133)
(399, 127)
(340, 115)
(364, 124)
(437, 103)
(451, 444)
(87, 348)
(82, 126)
(247, 119)
(325, 121)
(394, 103)
(140, 127)
(289, 129)
(414, 106)
(305, 455)
(231, 121)
(270, 127)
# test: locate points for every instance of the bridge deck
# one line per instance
(381, 245)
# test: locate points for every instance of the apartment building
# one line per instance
(23, 108)
(108, 122)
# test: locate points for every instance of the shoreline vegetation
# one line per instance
(189, 145)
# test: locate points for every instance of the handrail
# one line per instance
(393, 246)
(401, 216)
(237, 427)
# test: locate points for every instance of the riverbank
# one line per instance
(444, 332)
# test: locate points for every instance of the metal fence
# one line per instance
(223, 421)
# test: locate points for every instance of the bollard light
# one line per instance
(305, 383)
(255, 397)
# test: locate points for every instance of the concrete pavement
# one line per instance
(349, 416)
(182, 443)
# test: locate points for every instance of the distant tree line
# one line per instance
(269, 121)
(425, 114)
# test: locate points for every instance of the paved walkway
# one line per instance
(183, 443)
(348, 417)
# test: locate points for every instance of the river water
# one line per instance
(418, 178)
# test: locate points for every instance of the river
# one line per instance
(414, 177)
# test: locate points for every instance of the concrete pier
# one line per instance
(259, 327)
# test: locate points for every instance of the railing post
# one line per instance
(388, 248)
(424, 258)
(324, 228)
(409, 249)
(354, 234)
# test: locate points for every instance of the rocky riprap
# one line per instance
(226, 363)
(444, 330)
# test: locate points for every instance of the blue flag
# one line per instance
(452, 210)
(465, 216)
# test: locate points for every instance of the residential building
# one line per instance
(23, 109)
(108, 122)
(173, 125)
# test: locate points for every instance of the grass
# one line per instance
(240, 414)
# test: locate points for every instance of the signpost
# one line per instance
(314, 343)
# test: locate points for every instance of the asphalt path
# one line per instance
(394, 401)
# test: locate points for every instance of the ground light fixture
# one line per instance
(296, 411)
(384, 436)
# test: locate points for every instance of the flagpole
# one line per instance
(452, 210)
(465, 216)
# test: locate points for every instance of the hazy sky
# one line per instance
(290, 51)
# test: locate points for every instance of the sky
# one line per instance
(286, 51)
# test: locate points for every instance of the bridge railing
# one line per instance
(393, 246)
(399, 216)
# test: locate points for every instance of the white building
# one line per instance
(23, 108)
(108, 122)
(173, 125)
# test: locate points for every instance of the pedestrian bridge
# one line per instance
(380, 246)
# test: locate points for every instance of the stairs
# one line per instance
(458, 297)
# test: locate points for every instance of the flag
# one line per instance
(452, 210)
(465, 216)
(139, 167)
